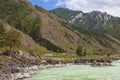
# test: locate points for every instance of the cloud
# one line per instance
(110, 6)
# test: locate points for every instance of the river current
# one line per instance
(80, 72)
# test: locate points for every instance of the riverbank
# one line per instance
(27, 72)
(80, 72)
(18, 65)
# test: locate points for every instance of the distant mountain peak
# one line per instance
(92, 19)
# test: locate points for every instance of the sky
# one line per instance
(110, 6)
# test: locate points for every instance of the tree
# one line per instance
(80, 51)
(2, 31)
(11, 39)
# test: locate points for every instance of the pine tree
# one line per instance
(79, 51)
(2, 31)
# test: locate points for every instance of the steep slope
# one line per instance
(48, 30)
(26, 42)
(45, 28)
(103, 27)
(95, 21)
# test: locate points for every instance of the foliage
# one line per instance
(30, 27)
(64, 13)
(80, 51)
(2, 31)
(11, 39)
(17, 14)
(8, 38)
(94, 22)
(13, 12)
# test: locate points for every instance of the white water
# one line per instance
(80, 72)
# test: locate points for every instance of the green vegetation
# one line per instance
(12, 11)
(64, 13)
(10, 39)
(81, 51)
(93, 25)
(2, 32)
(30, 27)
(18, 14)
(56, 34)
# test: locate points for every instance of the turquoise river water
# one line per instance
(80, 72)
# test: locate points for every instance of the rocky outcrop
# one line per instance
(91, 20)
(95, 62)
(18, 65)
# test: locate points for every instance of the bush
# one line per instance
(2, 31)
(11, 39)
(81, 51)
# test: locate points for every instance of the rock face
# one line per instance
(14, 63)
(94, 19)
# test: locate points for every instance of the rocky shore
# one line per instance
(18, 65)
(21, 65)
(20, 73)
(96, 62)
(27, 72)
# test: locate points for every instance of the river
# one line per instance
(80, 72)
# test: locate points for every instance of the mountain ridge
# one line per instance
(95, 21)
(50, 31)
(79, 17)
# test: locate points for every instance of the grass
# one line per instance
(91, 53)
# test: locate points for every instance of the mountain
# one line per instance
(50, 32)
(44, 29)
(36, 22)
(94, 21)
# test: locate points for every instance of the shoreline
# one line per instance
(24, 73)
(28, 72)
(21, 65)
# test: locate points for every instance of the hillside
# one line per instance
(50, 32)
(32, 38)
(26, 42)
(96, 21)
(45, 28)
